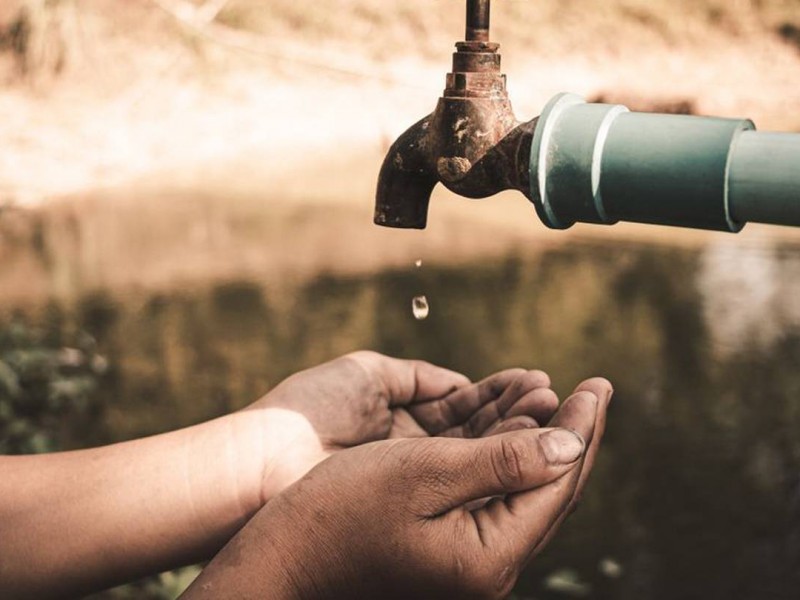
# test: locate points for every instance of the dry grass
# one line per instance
(144, 94)
(550, 26)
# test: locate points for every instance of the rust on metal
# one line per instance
(471, 143)
(478, 20)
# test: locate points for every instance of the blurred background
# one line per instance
(186, 196)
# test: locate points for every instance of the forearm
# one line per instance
(81, 521)
(263, 560)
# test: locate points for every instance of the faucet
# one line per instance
(584, 162)
(471, 143)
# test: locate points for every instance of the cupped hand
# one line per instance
(365, 397)
(391, 519)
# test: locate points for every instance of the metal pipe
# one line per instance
(600, 163)
(471, 143)
(478, 20)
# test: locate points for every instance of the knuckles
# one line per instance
(420, 474)
(509, 458)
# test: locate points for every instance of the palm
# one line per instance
(366, 397)
(507, 397)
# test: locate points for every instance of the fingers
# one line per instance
(455, 409)
(516, 525)
(499, 428)
(460, 471)
(541, 404)
(511, 424)
(406, 381)
(470, 411)
(538, 404)
(603, 390)
(443, 402)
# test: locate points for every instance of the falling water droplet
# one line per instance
(420, 308)
(418, 264)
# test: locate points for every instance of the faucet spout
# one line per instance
(406, 180)
(471, 143)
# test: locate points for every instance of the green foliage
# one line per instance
(166, 586)
(42, 383)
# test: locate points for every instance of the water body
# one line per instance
(697, 491)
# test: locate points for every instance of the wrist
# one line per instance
(225, 458)
(287, 448)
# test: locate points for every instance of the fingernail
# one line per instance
(562, 446)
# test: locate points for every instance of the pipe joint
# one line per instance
(600, 163)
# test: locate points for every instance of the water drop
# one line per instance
(418, 263)
(420, 308)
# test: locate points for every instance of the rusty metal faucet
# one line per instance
(585, 162)
(471, 143)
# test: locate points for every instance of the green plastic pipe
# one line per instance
(764, 181)
(601, 163)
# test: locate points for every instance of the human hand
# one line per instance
(389, 519)
(189, 491)
(364, 397)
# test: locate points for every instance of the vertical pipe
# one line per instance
(478, 20)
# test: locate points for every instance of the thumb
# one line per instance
(501, 464)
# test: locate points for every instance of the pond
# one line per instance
(697, 491)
